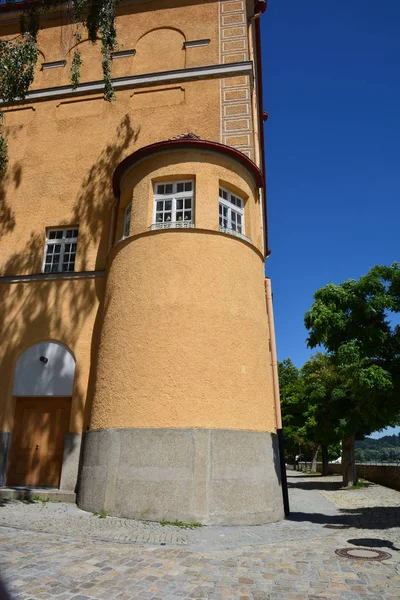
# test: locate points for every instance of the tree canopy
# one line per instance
(353, 321)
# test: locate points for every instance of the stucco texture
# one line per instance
(209, 171)
(62, 156)
(184, 335)
(154, 29)
(62, 311)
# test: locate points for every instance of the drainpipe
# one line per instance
(275, 381)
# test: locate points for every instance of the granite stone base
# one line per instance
(218, 477)
(70, 465)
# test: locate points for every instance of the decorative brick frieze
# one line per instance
(236, 117)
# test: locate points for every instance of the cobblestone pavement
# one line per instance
(57, 551)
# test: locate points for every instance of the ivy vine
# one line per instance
(18, 57)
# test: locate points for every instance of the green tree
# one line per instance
(324, 391)
(309, 398)
(352, 321)
(288, 373)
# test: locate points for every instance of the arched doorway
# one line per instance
(43, 383)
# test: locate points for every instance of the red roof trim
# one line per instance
(185, 144)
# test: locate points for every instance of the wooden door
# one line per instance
(38, 441)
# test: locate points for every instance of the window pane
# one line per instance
(52, 235)
(179, 204)
(179, 187)
(50, 249)
(67, 247)
(47, 268)
(188, 215)
(57, 247)
(54, 268)
(168, 205)
(159, 205)
(69, 233)
(59, 235)
(161, 189)
(179, 215)
(75, 233)
(159, 218)
(188, 203)
(168, 188)
(188, 186)
(167, 217)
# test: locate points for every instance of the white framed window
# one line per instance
(231, 212)
(127, 221)
(173, 204)
(60, 251)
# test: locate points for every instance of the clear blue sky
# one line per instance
(332, 91)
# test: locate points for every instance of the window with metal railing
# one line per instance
(173, 205)
(231, 214)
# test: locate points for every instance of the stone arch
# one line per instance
(45, 369)
(161, 49)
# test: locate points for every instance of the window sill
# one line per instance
(234, 233)
(172, 225)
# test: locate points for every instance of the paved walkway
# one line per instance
(57, 551)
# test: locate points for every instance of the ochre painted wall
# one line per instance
(209, 171)
(62, 155)
(181, 20)
(184, 335)
(63, 311)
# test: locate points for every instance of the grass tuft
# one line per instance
(181, 524)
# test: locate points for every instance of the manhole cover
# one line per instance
(363, 554)
(337, 526)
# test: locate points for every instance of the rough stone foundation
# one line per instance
(209, 476)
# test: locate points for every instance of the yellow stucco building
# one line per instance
(136, 366)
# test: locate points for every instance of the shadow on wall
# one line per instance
(11, 180)
(46, 310)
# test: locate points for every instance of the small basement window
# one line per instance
(173, 205)
(60, 252)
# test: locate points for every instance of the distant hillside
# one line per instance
(386, 448)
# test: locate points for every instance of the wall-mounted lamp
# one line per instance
(44, 360)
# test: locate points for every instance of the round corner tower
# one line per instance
(183, 421)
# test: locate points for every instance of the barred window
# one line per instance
(60, 250)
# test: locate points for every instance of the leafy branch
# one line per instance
(18, 57)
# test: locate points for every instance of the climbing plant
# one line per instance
(18, 56)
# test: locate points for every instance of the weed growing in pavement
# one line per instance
(181, 524)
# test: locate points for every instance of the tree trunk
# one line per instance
(325, 467)
(348, 462)
(314, 459)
